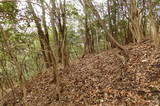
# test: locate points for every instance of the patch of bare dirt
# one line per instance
(100, 80)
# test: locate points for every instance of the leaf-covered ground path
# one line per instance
(100, 80)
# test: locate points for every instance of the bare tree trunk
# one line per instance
(53, 15)
(144, 19)
(109, 15)
(64, 50)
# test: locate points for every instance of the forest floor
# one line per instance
(99, 80)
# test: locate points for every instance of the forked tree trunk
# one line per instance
(135, 21)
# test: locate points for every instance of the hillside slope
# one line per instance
(100, 80)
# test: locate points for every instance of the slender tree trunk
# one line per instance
(109, 15)
(144, 19)
(111, 28)
(53, 15)
(64, 50)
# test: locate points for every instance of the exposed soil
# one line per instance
(99, 80)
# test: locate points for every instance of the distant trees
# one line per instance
(103, 25)
(130, 15)
(89, 36)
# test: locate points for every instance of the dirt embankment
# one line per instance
(100, 80)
